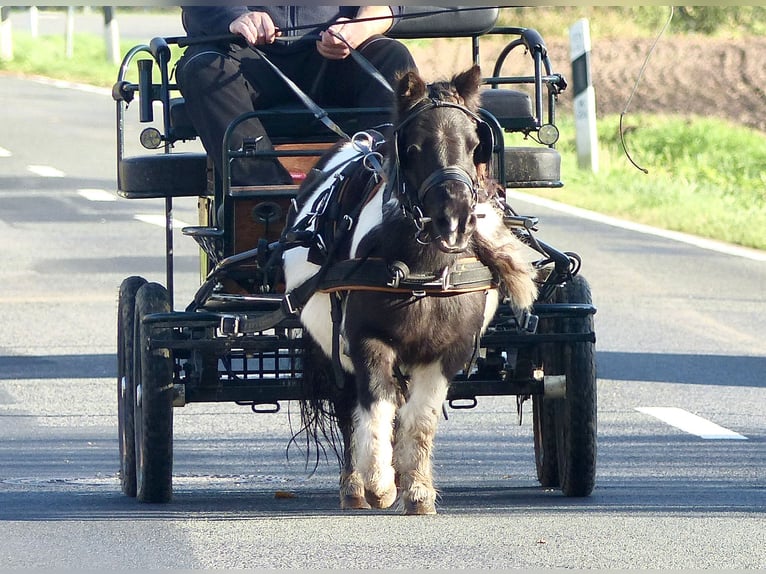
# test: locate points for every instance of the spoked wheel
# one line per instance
(565, 429)
(125, 422)
(153, 404)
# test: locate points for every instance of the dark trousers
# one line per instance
(220, 84)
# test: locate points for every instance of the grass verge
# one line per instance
(705, 176)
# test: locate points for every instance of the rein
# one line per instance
(184, 41)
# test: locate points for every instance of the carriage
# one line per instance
(241, 339)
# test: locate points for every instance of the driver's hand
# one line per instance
(255, 27)
(333, 48)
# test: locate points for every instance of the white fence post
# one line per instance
(69, 33)
(34, 20)
(6, 41)
(586, 137)
(112, 35)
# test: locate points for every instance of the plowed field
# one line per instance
(685, 74)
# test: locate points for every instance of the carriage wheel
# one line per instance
(125, 421)
(544, 429)
(153, 392)
(576, 414)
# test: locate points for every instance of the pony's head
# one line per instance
(440, 140)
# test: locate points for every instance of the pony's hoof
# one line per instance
(384, 500)
(350, 502)
(419, 507)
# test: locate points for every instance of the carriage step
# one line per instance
(210, 239)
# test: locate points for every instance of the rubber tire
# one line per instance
(576, 415)
(125, 422)
(544, 430)
(153, 406)
(544, 412)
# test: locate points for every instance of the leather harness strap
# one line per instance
(374, 274)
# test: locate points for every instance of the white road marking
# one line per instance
(45, 171)
(4, 152)
(71, 85)
(96, 194)
(691, 423)
(701, 242)
(159, 220)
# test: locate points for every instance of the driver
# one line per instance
(220, 81)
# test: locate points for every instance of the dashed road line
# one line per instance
(45, 171)
(93, 194)
(159, 220)
(691, 423)
(4, 152)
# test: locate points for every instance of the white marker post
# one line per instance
(586, 138)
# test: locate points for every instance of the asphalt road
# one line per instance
(678, 326)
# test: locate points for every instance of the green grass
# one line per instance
(706, 176)
(46, 56)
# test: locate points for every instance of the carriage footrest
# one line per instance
(528, 167)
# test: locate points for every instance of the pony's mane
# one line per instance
(446, 91)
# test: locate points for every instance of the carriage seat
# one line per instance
(185, 174)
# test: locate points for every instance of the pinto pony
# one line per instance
(395, 346)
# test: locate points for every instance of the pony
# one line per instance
(416, 209)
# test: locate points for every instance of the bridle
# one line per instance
(412, 200)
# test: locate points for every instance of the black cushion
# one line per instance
(511, 108)
(448, 23)
(163, 175)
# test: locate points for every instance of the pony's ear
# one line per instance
(410, 90)
(467, 85)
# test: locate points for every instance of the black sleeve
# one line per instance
(210, 20)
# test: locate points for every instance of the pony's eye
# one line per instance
(413, 150)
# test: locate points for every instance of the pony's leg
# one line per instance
(373, 420)
(372, 452)
(416, 427)
(351, 482)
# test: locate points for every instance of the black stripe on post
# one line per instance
(581, 78)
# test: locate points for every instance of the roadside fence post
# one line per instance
(34, 21)
(6, 43)
(112, 35)
(69, 33)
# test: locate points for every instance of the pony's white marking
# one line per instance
(45, 171)
(691, 423)
(4, 152)
(700, 242)
(371, 448)
(315, 315)
(159, 220)
(371, 215)
(96, 194)
(490, 307)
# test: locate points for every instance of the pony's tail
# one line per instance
(500, 250)
(321, 409)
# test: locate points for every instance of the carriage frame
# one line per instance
(240, 339)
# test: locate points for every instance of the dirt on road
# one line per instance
(685, 75)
